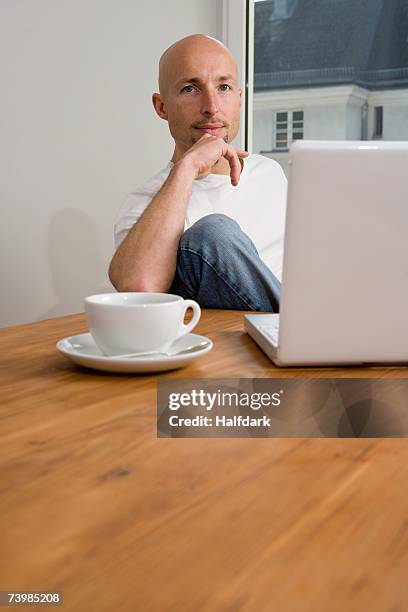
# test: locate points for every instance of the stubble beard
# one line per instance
(194, 139)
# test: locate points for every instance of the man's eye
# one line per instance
(225, 87)
(188, 89)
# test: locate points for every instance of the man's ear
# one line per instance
(159, 106)
(240, 96)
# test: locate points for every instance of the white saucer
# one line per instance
(83, 351)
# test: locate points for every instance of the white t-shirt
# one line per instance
(258, 204)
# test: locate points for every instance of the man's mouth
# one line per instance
(210, 128)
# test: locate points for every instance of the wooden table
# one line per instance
(93, 504)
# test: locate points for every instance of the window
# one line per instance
(378, 122)
(297, 125)
(341, 65)
(281, 132)
(288, 128)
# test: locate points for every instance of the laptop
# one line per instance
(344, 297)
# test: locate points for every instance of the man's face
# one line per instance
(199, 94)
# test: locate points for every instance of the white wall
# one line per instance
(325, 122)
(354, 114)
(78, 132)
(395, 104)
(262, 130)
(395, 122)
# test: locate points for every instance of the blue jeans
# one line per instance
(219, 267)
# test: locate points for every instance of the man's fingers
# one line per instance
(235, 165)
(232, 155)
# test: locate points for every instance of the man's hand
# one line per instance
(205, 153)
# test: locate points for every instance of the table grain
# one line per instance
(94, 505)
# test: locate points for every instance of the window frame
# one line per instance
(237, 33)
(281, 126)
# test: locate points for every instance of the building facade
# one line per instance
(329, 70)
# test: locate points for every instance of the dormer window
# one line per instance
(283, 9)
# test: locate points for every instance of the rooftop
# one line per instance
(301, 43)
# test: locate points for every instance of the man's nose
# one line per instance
(209, 103)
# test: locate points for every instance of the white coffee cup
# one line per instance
(132, 322)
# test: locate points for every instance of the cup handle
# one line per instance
(185, 329)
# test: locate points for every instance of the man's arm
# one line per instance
(146, 260)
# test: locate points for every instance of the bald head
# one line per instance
(195, 45)
(198, 91)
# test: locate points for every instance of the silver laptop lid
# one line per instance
(345, 271)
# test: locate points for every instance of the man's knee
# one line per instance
(214, 229)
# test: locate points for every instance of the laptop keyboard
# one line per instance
(271, 332)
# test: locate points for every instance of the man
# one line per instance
(210, 225)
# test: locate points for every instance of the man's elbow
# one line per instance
(139, 286)
(126, 284)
